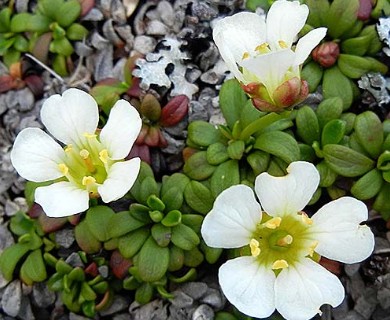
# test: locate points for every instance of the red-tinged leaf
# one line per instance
(174, 111)
(140, 151)
(41, 47)
(135, 90)
(92, 269)
(7, 83)
(15, 70)
(108, 82)
(51, 224)
(152, 139)
(86, 6)
(331, 265)
(35, 211)
(119, 265)
(35, 84)
(188, 152)
(365, 8)
(75, 219)
(142, 134)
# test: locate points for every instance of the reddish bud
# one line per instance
(141, 151)
(152, 139)
(35, 84)
(119, 265)
(142, 134)
(7, 83)
(326, 54)
(251, 88)
(92, 269)
(365, 8)
(331, 265)
(150, 107)
(287, 93)
(174, 111)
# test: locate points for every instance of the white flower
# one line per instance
(90, 165)
(280, 270)
(260, 53)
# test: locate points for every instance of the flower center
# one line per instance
(279, 242)
(87, 166)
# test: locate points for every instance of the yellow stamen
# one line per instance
(88, 181)
(63, 168)
(287, 240)
(89, 135)
(245, 55)
(279, 264)
(103, 156)
(68, 148)
(273, 223)
(262, 48)
(282, 44)
(306, 219)
(254, 245)
(312, 248)
(84, 154)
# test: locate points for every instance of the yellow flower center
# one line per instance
(279, 242)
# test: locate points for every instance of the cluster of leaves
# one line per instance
(51, 28)
(252, 142)
(349, 48)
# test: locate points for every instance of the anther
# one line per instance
(255, 250)
(273, 223)
(84, 154)
(63, 168)
(285, 241)
(88, 181)
(245, 55)
(103, 156)
(312, 248)
(262, 48)
(282, 44)
(279, 264)
(306, 219)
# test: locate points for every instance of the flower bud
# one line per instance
(326, 54)
(365, 8)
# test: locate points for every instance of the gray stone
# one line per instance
(203, 11)
(203, 312)
(119, 303)
(153, 310)
(64, 237)
(353, 315)
(12, 298)
(213, 298)
(382, 245)
(3, 281)
(366, 304)
(340, 311)
(93, 15)
(42, 296)
(156, 28)
(103, 61)
(82, 49)
(195, 290)
(25, 99)
(12, 207)
(182, 300)
(74, 260)
(144, 44)
(103, 271)
(25, 311)
(197, 111)
(355, 286)
(74, 316)
(167, 14)
(174, 145)
(351, 269)
(6, 238)
(384, 297)
(381, 314)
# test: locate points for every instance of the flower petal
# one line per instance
(301, 290)
(233, 219)
(249, 286)
(62, 199)
(337, 228)
(280, 196)
(121, 130)
(284, 20)
(307, 43)
(238, 34)
(270, 68)
(120, 179)
(69, 116)
(35, 155)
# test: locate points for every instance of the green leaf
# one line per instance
(10, 257)
(231, 99)
(122, 223)
(198, 197)
(21, 44)
(5, 20)
(349, 119)
(367, 186)
(382, 203)
(194, 221)
(173, 199)
(155, 203)
(333, 132)
(308, 127)
(312, 73)
(307, 152)
(236, 149)
(61, 46)
(68, 12)
(176, 258)
(144, 293)
(184, 237)
(173, 218)
(149, 187)
(353, 66)
(132, 242)
(217, 153)
(33, 269)
(375, 44)
(204, 134)
(161, 234)
(369, 131)
(226, 175)
(59, 65)
(107, 95)
(377, 66)
(328, 110)
(177, 180)
(336, 84)
(97, 219)
(85, 238)
(193, 258)
(49, 8)
(38, 23)
(341, 16)
(197, 167)
(211, 254)
(383, 162)
(249, 114)
(76, 32)
(318, 12)
(279, 144)
(356, 46)
(259, 161)
(345, 161)
(19, 22)
(327, 175)
(153, 261)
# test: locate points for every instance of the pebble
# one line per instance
(12, 298)
(167, 14)
(351, 269)
(365, 305)
(213, 298)
(341, 311)
(182, 300)
(119, 303)
(103, 271)
(384, 297)
(42, 296)
(65, 238)
(156, 28)
(353, 315)
(152, 310)
(74, 260)
(144, 44)
(203, 312)
(195, 290)
(25, 311)
(6, 238)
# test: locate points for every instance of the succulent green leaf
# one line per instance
(172, 218)
(375, 44)
(10, 257)
(97, 219)
(161, 234)
(369, 131)
(368, 185)
(153, 261)
(61, 46)
(336, 84)
(341, 16)
(5, 20)
(349, 119)
(327, 175)
(345, 161)
(198, 197)
(177, 180)
(197, 167)
(307, 152)
(232, 98)
(312, 73)
(308, 127)
(33, 269)
(226, 175)
(356, 46)
(173, 199)
(259, 161)
(85, 238)
(132, 242)
(76, 32)
(353, 66)
(68, 12)
(382, 203)
(155, 203)
(122, 223)
(87, 292)
(384, 161)
(194, 221)
(236, 149)
(377, 66)
(49, 8)
(20, 22)
(318, 12)
(328, 110)
(204, 134)
(249, 114)
(77, 274)
(148, 188)
(38, 23)
(59, 65)
(333, 132)
(211, 254)
(144, 293)
(279, 144)
(217, 153)
(140, 212)
(176, 258)
(184, 237)
(62, 267)
(193, 257)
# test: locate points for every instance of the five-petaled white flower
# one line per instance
(284, 244)
(90, 165)
(260, 53)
